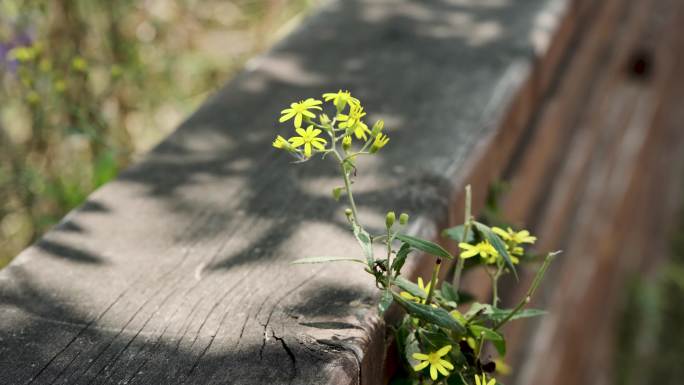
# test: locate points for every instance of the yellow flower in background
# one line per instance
(435, 361)
(421, 285)
(22, 54)
(518, 237)
(79, 64)
(341, 98)
(484, 249)
(483, 381)
(379, 142)
(309, 139)
(300, 110)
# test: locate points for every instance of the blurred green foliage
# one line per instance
(87, 85)
(650, 337)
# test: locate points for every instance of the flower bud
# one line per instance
(346, 142)
(377, 128)
(379, 142)
(390, 218)
(324, 119)
(403, 219)
(348, 212)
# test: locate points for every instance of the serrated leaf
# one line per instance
(498, 244)
(325, 259)
(365, 241)
(434, 315)
(426, 246)
(490, 335)
(456, 233)
(400, 259)
(385, 301)
(410, 287)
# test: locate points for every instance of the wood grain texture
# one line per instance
(177, 272)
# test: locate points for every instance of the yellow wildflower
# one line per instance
(300, 110)
(484, 249)
(352, 122)
(379, 142)
(421, 285)
(22, 54)
(518, 237)
(308, 138)
(79, 64)
(341, 99)
(483, 381)
(436, 362)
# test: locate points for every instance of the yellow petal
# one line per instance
(441, 352)
(420, 356)
(433, 372)
(446, 364)
(421, 366)
(442, 370)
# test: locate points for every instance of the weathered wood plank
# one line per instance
(177, 272)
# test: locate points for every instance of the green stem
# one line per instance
(495, 285)
(347, 187)
(466, 228)
(480, 345)
(530, 292)
(389, 258)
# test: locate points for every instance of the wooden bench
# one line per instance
(178, 271)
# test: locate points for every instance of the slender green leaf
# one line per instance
(490, 335)
(410, 287)
(498, 244)
(400, 259)
(456, 233)
(365, 241)
(326, 259)
(434, 315)
(498, 315)
(426, 246)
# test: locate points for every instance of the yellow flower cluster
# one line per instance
(349, 116)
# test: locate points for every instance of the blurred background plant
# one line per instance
(88, 85)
